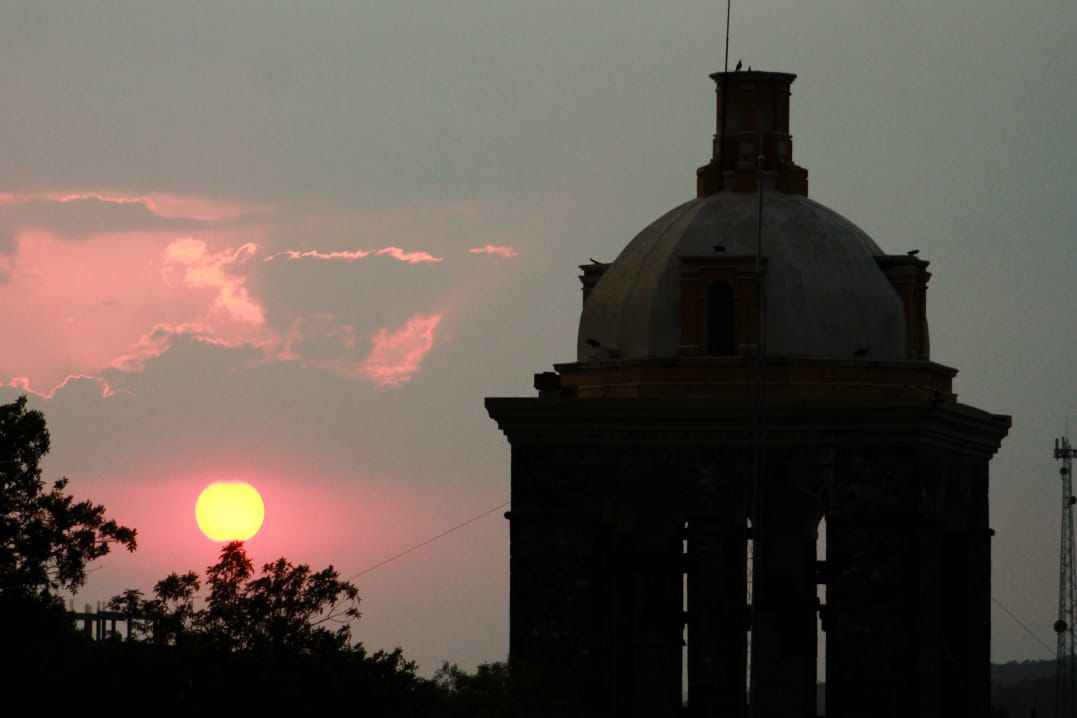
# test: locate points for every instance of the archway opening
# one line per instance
(685, 561)
(720, 319)
(820, 597)
(748, 569)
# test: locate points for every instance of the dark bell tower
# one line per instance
(680, 443)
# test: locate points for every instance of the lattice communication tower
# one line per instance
(1066, 661)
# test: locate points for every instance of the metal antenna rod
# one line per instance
(1066, 660)
(719, 149)
(728, 8)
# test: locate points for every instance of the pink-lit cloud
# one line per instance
(153, 272)
(104, 307)
(498, 250)
(315, 254)
(395, 252)
(398, 355)
(71, 308)
(410, 257)
(156, 342)
(216, 271)
(22, 383)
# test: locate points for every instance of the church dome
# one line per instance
(825, 294)
(687, 285)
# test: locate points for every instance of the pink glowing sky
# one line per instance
(102, 306)
(298, 245)
(132, 305)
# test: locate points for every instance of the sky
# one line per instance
(298, 244)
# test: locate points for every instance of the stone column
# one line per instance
(784, 594)
(717, 616)
(966, 591)
(886, 556)
(647, 603)
(557, 561)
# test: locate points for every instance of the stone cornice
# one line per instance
(716, 423)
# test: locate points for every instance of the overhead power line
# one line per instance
(1022, 625)
(428, 541)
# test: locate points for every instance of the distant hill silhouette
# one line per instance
(1005, 674)
(1019, 686)
(1016, 688)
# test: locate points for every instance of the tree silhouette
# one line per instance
(283, 634)
(288, 609)
(277, 640)
(46, 537)
(486, 693)
(165, 619)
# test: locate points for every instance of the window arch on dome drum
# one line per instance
(720, 319)
(717, 305)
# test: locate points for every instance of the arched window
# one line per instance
(719, 319)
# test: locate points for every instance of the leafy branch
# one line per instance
(283, 610)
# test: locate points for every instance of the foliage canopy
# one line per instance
(46, 537)
(276, 641)
(287, 609)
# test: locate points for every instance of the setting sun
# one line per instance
(229, 511)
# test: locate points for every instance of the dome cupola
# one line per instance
(751, 255)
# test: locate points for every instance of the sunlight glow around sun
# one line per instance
(229, 511)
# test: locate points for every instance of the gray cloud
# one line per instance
(82, 218)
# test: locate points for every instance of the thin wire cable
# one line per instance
(1022, 625)
(758, 427)
(430, 540)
